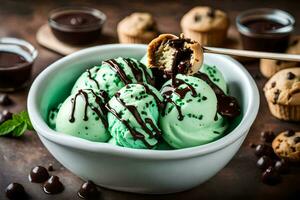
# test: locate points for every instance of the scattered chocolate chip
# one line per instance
(197, 17)
(289, 133)
(15, 191)
(276, 95)
(281, 166)
(50, 168)
(264, 150)
(53, 186)
(271, 176)
(296, 140)
(290, 76)
(38, 174)
(88, 190)
(5, 100)
(278, 62)
(273, 84)
(5, 115)
(252, 145)
(267, 136)
(264, 162)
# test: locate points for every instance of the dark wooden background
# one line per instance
(239, 179)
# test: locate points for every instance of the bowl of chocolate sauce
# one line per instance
(76, 25)
(16, 59)
(265, 29)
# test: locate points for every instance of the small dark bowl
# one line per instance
(76, 34)
(17, 76)
(275, 40)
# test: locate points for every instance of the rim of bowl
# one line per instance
(46, 132)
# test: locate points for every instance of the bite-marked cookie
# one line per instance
(287, 145)
(169, 52)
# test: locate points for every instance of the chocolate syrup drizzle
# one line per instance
(100, 100)
(117, 68)
(227, 106)
(91, 78)
(136, 70)
(137, 116)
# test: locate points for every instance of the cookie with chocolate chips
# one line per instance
(282, 92)
(206, 25)
(287, 145)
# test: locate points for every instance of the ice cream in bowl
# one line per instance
(150, 119)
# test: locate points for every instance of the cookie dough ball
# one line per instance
(287, 145)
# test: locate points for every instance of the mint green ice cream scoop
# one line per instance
(83, 115)
(190, 116)
(133, 116)
(112, 75)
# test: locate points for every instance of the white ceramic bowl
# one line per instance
(135, 170)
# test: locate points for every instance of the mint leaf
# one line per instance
(19, 130)
(16, 126)
(8, 126)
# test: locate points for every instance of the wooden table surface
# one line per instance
(239, 179)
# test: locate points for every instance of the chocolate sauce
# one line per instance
(101, 113)
(53, 186)
(92, 79)
(168, 90)
(76, 19)
(155, 133)
(15, 191)
(77, 27)
(227, 106)
(5, 115)
(10, 59)
(135, 134)
(137, 116)
(38, 174)
(263, 25)
(15, 70)
(182, 57)
(118, 69)
(88, 190)
(262, 38)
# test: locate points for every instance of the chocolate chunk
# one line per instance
(252, 145)
(88, 190)
(267, 136)
(281, 166)
(197, 17)
(264, 150)
(290, 76)
(276, 95)
(296, 140)
(38, 174)
(15, 191)
(211, 13)
(5, 115)
(5, 100)
(53, 186)
(273, 84)
(271, 176)
(289, 133)
(264, 162)
(50, 168)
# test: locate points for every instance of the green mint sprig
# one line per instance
(16, 126)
